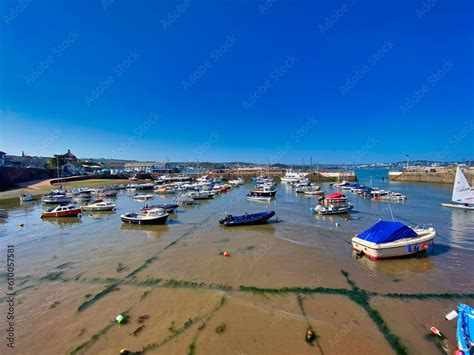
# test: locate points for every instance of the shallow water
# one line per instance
(310, 251)
(452, 260)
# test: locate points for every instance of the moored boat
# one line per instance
(168, 208)
(393, 239)
(56, 198)
(26, 197)
(237, 182)
(143, 197)
(62, 211)
(291, 176)
(151, 216)
(200, 195)
(98, 205)
(251, 197)
(184, 200)
(332, 209)
(247, 219)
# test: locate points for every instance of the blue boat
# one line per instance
(465, 328)
(247, 219)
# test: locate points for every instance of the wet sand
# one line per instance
(187, 289)
(183, 297)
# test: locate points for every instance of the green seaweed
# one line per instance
(114, 285)
(84, 346)
(362, 297)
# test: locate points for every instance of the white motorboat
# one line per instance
(332, 209)
(292, 176)
(394, 196)
(463, 193)
(386, 240)
(62, 211)
(57, 198)
(150, 216)
(26, 197)
(313, 191)
(143, 197)
(200, 195)
(236, 182)
(98, 205)
(251, 197)
(184, 200)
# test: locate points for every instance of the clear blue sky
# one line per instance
(338, 81)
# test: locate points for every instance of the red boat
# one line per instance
(62, 211)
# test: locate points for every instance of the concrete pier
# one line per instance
(436, 175)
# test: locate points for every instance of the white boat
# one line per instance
(184, 200)
(395, 196)
(98, 205)
(386, 240)
(26, 197)
(57, 198)
(3, 213)
(332, 209)
(463, 193)
(143, 197)
(237, 182)
(151, 216)
(200, 195)
(292, 176)
(313, 191)
(251, 197)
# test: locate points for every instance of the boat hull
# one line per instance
(459, 207)
(247, 220)
(97, 208)
(70, 213)
(397, 249)
(134, 220)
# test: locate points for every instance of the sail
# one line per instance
(462, 192)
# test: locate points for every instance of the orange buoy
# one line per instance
(226, 254)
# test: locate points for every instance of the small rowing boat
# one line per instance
(247, 219)
(62, 211)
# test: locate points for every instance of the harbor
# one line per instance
(76, 274)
